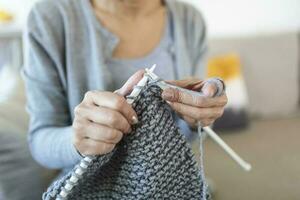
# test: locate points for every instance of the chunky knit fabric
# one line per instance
(152, 162)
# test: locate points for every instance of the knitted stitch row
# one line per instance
(154, 161)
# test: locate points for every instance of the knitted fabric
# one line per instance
(154, 161)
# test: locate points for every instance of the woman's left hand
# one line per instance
(205, 109)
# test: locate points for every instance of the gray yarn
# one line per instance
(153, 162)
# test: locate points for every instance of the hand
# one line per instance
(205, 109)
(102, 118)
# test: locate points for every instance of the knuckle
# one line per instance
(199, 101)
(78, 126)
(178, 96)
(215, 113)
(106, 148)
(221, 112)
(199, 115)
(119, 103)
(172, 94)
(88, 94)
(112, 135)
(77, 109)
(112, 119)
(225, 99)
(177, 107)
(124, 125)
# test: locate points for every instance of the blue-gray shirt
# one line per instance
(68, 52)
(162, 56)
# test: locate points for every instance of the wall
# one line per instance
(224, 18)
(249, 17)
(19, 8)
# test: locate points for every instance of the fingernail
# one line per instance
(134, 120)
(167, 94)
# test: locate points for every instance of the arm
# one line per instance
(199, 46)
(100, 120)
(50, 129)
(193, 109)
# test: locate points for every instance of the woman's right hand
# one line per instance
(102, 118)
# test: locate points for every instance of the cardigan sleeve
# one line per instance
(198, 43)
(50, 131)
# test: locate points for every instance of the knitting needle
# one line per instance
(83, 165)
(88, 159)
(246, 166)
(139, 85)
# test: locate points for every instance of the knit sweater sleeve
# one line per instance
(50, 132)
(198, 43)
(193, 27)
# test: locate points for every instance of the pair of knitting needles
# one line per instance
(163, 85)
(86, 161)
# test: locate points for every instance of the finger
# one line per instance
(206, 122)
(174, 95)
(209, 89)
(192, 122)
(130, 83)
(189, 83)
(104, 116)
(197, 113)
(113, 101)
(103, 133)
(93, 147)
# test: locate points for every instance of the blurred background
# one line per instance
(253, 45)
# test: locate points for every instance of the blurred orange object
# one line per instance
(5, 16)
(229, 68)
(226, 66)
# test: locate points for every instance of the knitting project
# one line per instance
(154, 161)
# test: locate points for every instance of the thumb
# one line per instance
(209, 89)
(130, 83)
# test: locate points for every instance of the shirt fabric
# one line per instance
(162, 56)
(66, 55)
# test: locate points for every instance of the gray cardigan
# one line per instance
(66, 49)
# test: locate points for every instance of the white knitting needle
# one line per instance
(139, 85)
(246, 166)
(83, 165)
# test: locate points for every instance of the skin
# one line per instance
(143, 20)
(103, 117)
(205, 109)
